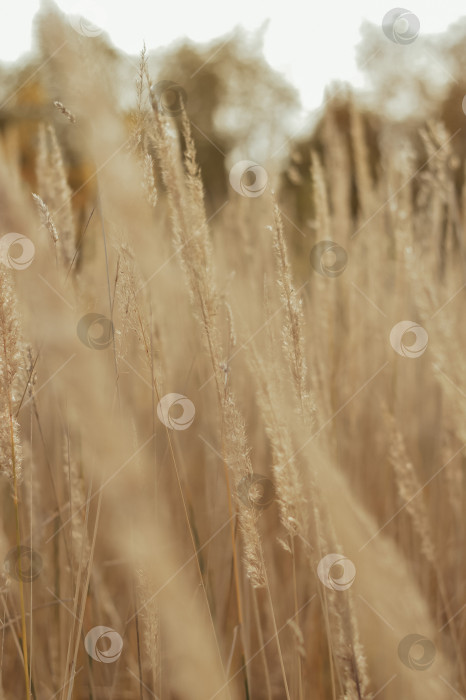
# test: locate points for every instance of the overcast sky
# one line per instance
(312, 43)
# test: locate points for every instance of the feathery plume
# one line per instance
(148, 182)
(293, 333)
(66, 112)
(46, 217)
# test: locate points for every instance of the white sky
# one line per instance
(311, 43)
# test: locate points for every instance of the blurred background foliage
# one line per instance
(242, 109)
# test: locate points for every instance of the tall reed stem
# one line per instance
(18, 545)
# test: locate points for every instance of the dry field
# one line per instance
(231, 455)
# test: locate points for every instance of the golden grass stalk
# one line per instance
(46, 217)
(148, 182)
(53, 189)
(10, 356)
(410, 490)
(66, 112)
(293, 335)
(150, 618)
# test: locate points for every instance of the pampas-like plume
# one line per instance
(196, 256)
(293, 334)
(80, 545)
(239, 463)
(46, 217)
(66, 112)
(287, 482)
(410, 490)
(140, 120)
(348, 661)
(126, 296)
(148, 182)
(408, 487)
(11, 351)
(55, 191)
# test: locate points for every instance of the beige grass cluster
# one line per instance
(144, 529)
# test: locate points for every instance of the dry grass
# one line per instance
(146, 529)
